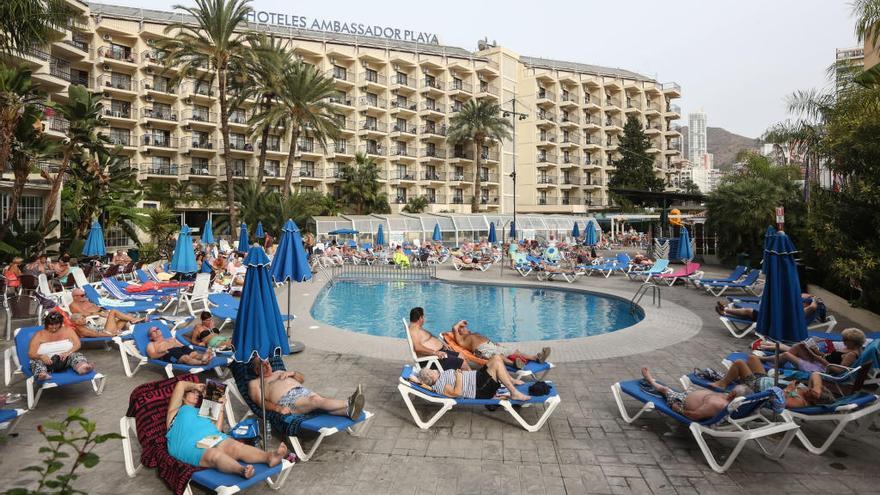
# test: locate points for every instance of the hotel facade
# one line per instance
(394, 102)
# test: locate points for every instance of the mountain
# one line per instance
(723, 144)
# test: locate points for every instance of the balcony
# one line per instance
(200, 169)
(570, 140)
(611, 105)
(568, 100)
(196, 118)
(433, 130)
(590, 101)
(489, 156)
(433, 176)
(159, 87)
(591, 163)
(485, 200)
(403, 107)
(652, 109)
(158, 141)
(201, 92)
(544, 180)
(33, 56)
(435, 199)
(121, 115)
(613, 125)
(431, 85)
(160, 115)
(545, 96)
(366, 127)
(673, 110)
(546, 118)
(343, 148)
(342, 101)
(345, 126)
(152, 56)
(490, 178)
(237, 118)
(309, 173)
(372, 79)
(460, 87)
(571, 180)
(432, 153)
(77, 43)
(399, 81)
(572, 160)
(653, 128)
(403, 152)
(397, 177)
(462, 154)
(463, 177)
(124, 140)
(546, 158)
(341, 76)
(569, 121)
(548, 201)
(372, 102)
(428, 107)
(458, 200)
(372, 150)
(110, 84)
(673, 90)
(632, 106)
(273, 146)
(487, 90)
(199, 144)
(404, 130)
(160, 169)
(592, 183)
(114, 55)
(307, 147)
(240, 146)
(546, 139)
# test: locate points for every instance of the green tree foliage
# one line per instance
(690, 187)
(417, 204)
(273, 209)
(361, 192)
(743, 205)
(28, 23)
(635, 167)
(477, 122)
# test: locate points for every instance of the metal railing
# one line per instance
(383, 272)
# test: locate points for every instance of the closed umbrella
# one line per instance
(493, 237)
(291, 264)
(591, 236)
(94, 245)
(781, 313)
(258, 329)
(184, 258)
(380, 236)
(243, 242)
(208, 233)
(259, 234)
(576, 231)
(512, 230)
(768, 235)
(437, 236)
(685, 252)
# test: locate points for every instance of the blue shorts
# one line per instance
(293, 395)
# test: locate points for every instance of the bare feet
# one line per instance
(84, 368)
(518, 382)
(43, 376)
(247, 472)
(719, 308)
(516, 395)
(279, 455)
(647, 376)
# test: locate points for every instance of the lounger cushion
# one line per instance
(290, 424)
(142, 339)
(317, 423)
(213, 479)
(524, 388)
(7, 415)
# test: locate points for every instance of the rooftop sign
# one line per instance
(334, 26)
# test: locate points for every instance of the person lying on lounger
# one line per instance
(480, 384)
(484, 348)
(206, 334)
(751, 374)
(807, 356)
(285, 394)
(695, 404)
(186, 429)
(811, 304)
(172, 350)
(55, 348)
(105, 322)
(426, 344)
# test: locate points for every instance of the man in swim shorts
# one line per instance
(484, 348)
(481, 384)
(426, 344)
(172, 350)
(285, 394)
(695, 404)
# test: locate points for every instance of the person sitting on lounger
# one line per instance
(186, 429)
(811, 304)
(695, 404)
(480, 384)
(39, 265)
(807, 356)
(172, 350)
(400, 258)
(751, 374)
(640, 261)
(484, 348)
(121, 258)
(206, 333)
(105, 322)
(55, 349)
(285, 394)
(426, 344)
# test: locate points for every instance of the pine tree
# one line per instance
(635, 167)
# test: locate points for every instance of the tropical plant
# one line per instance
(303, 108)
(70, 445)
(215, 41)
(416, 204)
(360, 190)
(273, 210)
(867, 14)
(690, 187)
(477, 122)
(743, 205)
(259, 76)
(28, 23)
(159, 225)
(26, 242)
(83, 111)
(17, 92)
(634, 169)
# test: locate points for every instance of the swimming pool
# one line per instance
(503, 313)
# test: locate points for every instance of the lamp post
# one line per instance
(516, 116)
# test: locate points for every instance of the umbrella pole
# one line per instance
(776, 375)
(288, 309)
(295, 346)
(263, 400)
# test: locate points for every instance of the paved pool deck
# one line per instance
(584, 448)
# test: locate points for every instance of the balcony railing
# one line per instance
(570, 119)
(343, 147)
(409, 151)
(371, 149)
(154, 56)
(671, 86)
(465, 154)
(371, 77)
(118, 113)
(106, 81)
(405, 105)
(432, 83)
(439, 130)
(571, 180)
(200, 168)
(547, 116)
(368, 101)
(115, 53)
(569, 97)
(433, 107)
(546, 158)
(488, 88)
(59, 71)
(464, 177)
(488, 177)
(401, 80)
(435, 176)
(159, 141)
(239, 118)
(489, 155)
(166, 169)
(435, 199)
(571, 138)
(78, 44)
(571, 159)
(548, 200)
(543, 137)
(591, 162)
(240, 145)
(308, 172)
(159, 114)
(405, 129)
(547, 179)
(201, 116)
(544, 94)
(370, 125)
(398, 176)
(305, 146)
(340, 100)
(340, 75)
(274, 146)
(201, 144)
(432, 153)
(458, 200)
(159, 85)
(673, 109)
(461, 86)
(120, 139)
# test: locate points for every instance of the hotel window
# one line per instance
(542, 93)
(401, 148)
(459, 173)
(484, 195)
(120, 109)
(340, 166)
(336, 192)
(120, 137)
(400, 101)
(162, 84)
(543, 135)
(373, 147)
(340, 146)
(340, 120)
(430, 126)
(401, 195)
(237, 116)
(400, 125)
(162, 111)
(565, 136)
(307, 144)
(431, 172)
(564, 95)
(306, 189)
(542, 197)
(458, 196)
(588, 180)
(272, 168)
(203, 88)
(237, 141)
(273, 143)
(542, 155)
(430, 103)
(456, 83)
(201, 113)
(565, 116)
(401, 171)
(199, 166)
(200, 140)
(119, 52)
(456, 106)
(566, 156)
(431, 195)
(459, 151)
(608, 100)
(371, 122)
(158, 138)
(566, 177)
(238, 169)
(340, 97)
(484, 173)
(120, 81)
(588, 158)
(484, 87)
(29, 212)
(161, 165)
(401, 78)
(566, 197)
(430, 81)
(371, 75)
(431, 149)
(484, 152)
(340, 72)
(307, 168)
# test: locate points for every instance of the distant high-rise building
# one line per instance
(850, 62)
(697, 147)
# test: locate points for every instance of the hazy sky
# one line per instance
(737, 60)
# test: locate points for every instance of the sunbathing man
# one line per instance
(172, 350)
(108, 322)
(286, 395)
(811, 304)
(55, 349)
(484, 348)
(186, 428)
(480, 384)
(696, 404)
(751, 374)
(426, 344)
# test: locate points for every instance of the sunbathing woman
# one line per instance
(807, 357)
(206, 334)
(696, 404)
(484, 348)
(186, 429)
(751, 374)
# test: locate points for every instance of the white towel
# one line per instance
(103, 301)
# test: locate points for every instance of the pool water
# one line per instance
(502, 313)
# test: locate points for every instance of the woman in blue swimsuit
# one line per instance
(186, 428)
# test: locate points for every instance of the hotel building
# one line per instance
(394, 102)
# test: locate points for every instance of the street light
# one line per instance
(519, 116)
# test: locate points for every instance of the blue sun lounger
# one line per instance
(748, 284)
(9, 419)
(734, 276)
(659, 267)
(16, 362)
(740, 327)
(409, 389)
(605, 268)
(840, 413)
(124, 306)
(291, 425)
(740, 421)
(137, 348)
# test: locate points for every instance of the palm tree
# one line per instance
(28, 23)
(83, 111)
(259, 76)
(417, 204)
(867, 14)
(302, 105)
(361, 192)
(17, 91)
(215, 41)
(478, 121)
